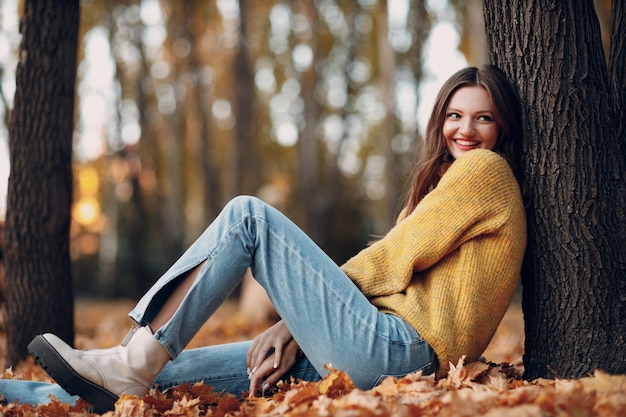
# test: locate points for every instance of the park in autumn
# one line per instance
(128, 124)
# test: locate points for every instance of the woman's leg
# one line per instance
(326, 313)
(222, 367)
(177, 295)
(332, 321)
(33, 392)
(255, 307)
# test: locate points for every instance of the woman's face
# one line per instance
(469, 121)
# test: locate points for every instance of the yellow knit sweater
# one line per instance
(451, 267)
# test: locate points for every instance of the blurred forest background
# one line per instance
(317, 107)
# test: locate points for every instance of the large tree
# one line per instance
(38, 275)
(574, 279)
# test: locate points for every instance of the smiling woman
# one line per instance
(431, 291)
(470, 122)
(471, 96)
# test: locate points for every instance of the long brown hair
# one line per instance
(507, 114)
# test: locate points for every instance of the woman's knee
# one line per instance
(246, 204)
(245, 200)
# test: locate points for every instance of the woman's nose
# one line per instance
(467, 127)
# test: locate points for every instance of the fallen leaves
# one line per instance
(52, 409)
(470, 389)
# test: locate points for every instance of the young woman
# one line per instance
(432, 290)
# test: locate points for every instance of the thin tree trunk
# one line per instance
(38, 269)
(172, 146)
(398, 165)
(246, 162)
(387, 70)
(131, 217)
(308, 144)
(206, 160)
(328, 201)
(473, 41)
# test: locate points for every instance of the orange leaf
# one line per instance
(336, 383)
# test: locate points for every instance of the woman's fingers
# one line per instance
(278, 354)
(284, 365)
(270, 341)
(271, 369)
(261, 345)
(261, 353)
(250, 353)
(257, 378)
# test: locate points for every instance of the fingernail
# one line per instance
(248, 371)
(253, 370)
(275, 366)
(265, 386)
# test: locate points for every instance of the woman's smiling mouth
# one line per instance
(466, 143)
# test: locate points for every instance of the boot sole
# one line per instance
(49, 359)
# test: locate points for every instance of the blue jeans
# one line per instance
(331, 320)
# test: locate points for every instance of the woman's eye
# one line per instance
(485, 118)
(454, 115)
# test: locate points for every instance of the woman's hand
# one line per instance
(274, 338)
(266, 352)
(267, 374)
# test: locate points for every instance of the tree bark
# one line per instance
(573, 277)
(38, 274)
(617, 67)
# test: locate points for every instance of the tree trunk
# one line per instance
(473, 42)
(309, 161)
(123, 242)
(38, 274)
(212, 195)
(399, 165)
(246, 163)
(573, 277)
(389, 126)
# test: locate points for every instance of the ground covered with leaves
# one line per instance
(491, 388)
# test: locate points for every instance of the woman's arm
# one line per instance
(474, 197)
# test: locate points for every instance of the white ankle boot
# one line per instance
(100, 376)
